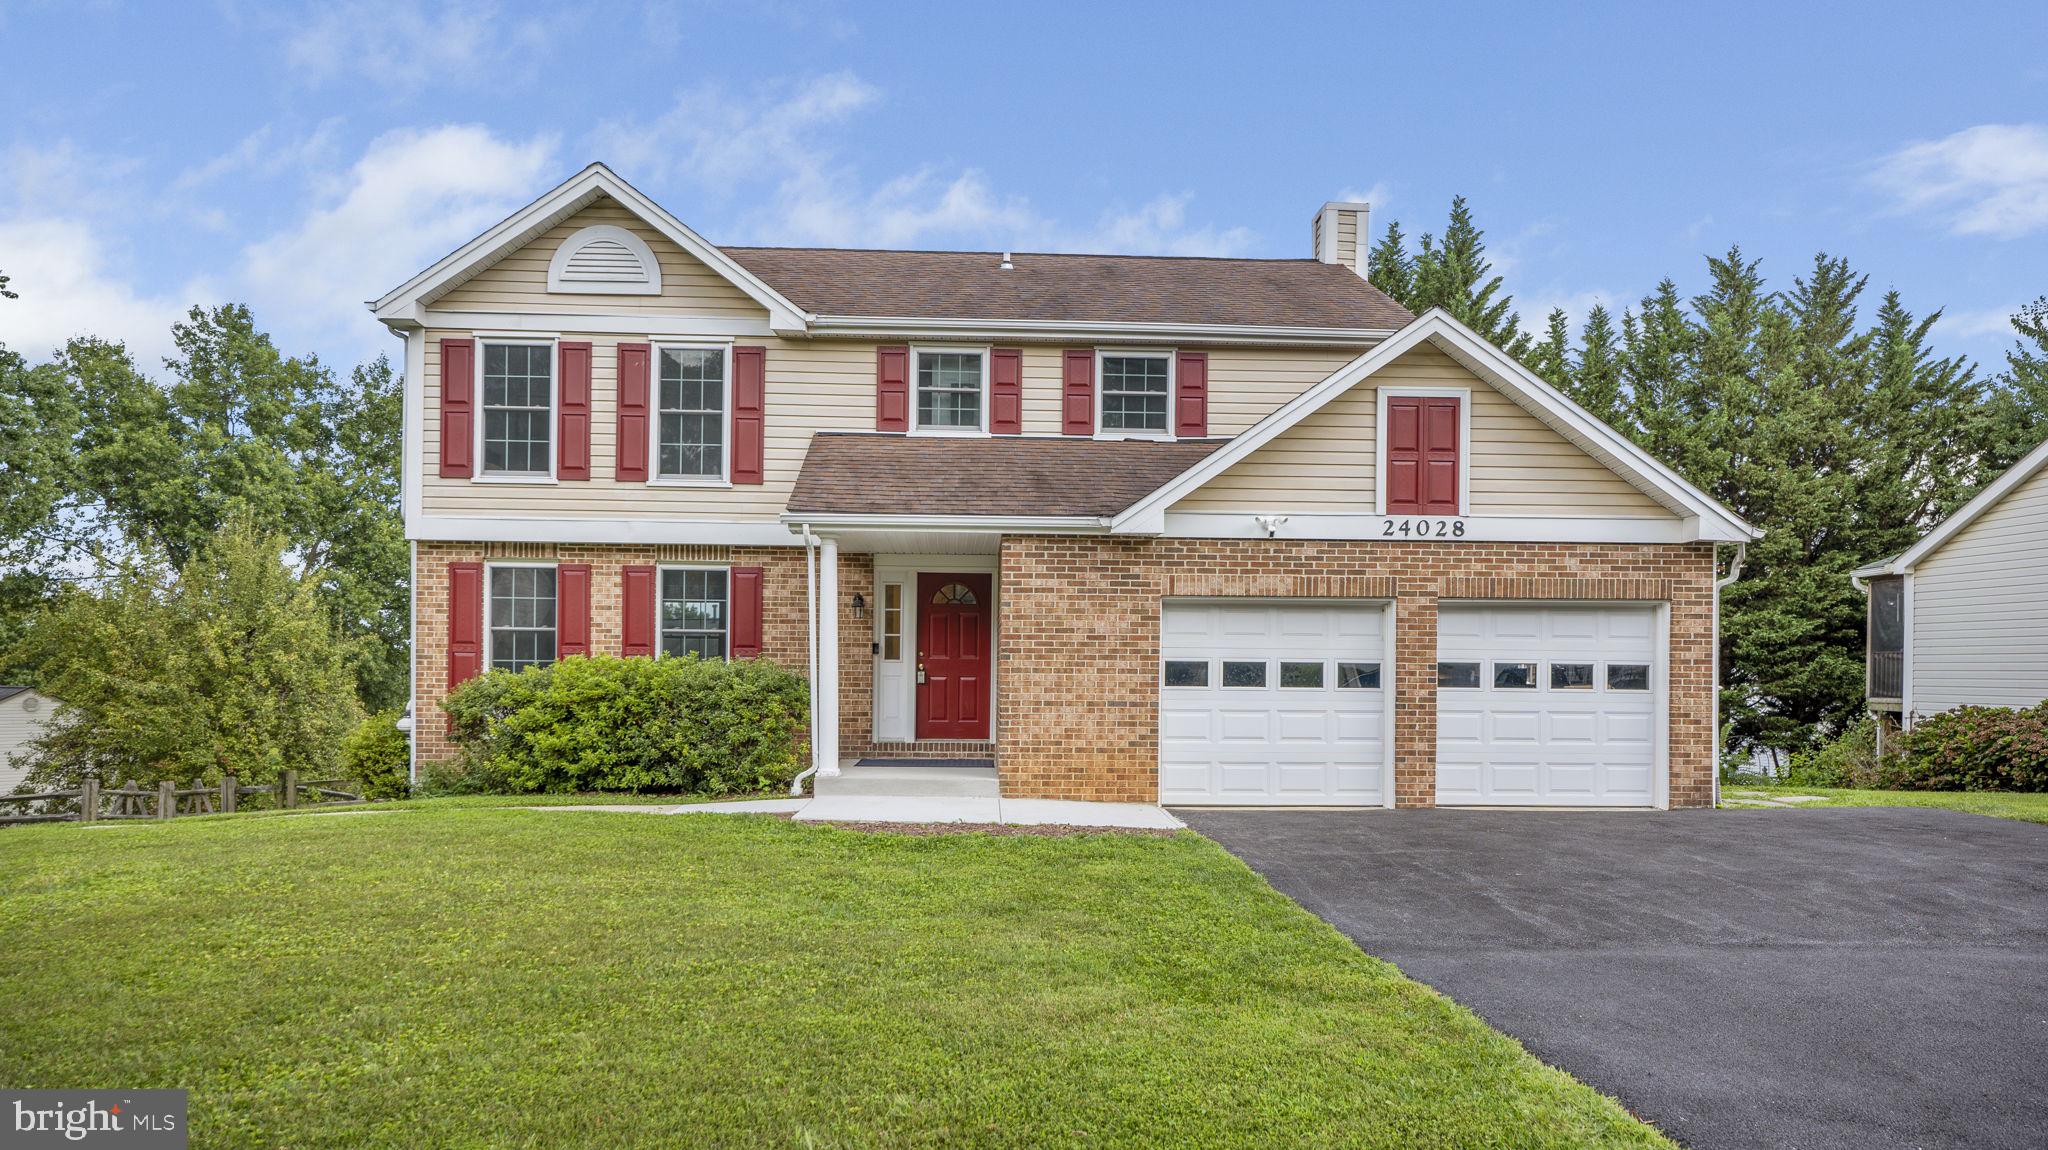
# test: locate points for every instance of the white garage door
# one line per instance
(1546, 705)
(1276, 704)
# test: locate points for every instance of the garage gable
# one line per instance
(1530, 456)
(1515, 464)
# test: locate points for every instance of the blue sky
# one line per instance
(303, 159)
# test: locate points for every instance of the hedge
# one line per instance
(1967, 749)
(605, 723)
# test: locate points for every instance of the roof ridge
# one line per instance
(1014, 254)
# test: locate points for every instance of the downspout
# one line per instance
(1734, 573)
(796, 785)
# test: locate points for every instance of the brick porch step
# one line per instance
(909, 782)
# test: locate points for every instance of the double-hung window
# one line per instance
(519, 389)
(1137, 392)
(691, 420)
(693, 611)
(521, 617)
(949, 390)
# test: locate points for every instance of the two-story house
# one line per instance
(1235, 531)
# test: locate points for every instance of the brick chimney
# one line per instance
(1341, 234)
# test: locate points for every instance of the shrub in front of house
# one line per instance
(1972, 749)
(1850, 759)
(374, 756)
(605, 723)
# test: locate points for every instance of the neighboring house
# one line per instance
(1129, 527)
(23, 712)
(1961, 617)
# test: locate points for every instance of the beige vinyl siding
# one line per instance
(1518, 464)
(813, 385)
(17, 726)
(1980, 609)
(519, 282)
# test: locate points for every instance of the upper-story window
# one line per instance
(518, 392)
(949, 390)
(521, 615)
(691, 423)
(1137, 390)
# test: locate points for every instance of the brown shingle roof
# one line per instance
(858, 473)
(1075, 288)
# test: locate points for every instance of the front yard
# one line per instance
(432, 975)
(2032, 808)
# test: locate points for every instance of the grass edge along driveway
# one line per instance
(464, 977)
(2031, 808)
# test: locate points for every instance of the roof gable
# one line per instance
(1994, 492)
(403, 303)
(1498, 370)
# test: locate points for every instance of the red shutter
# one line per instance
(637, 603)
(572, 610)
(1006, 391)
(465, 622)
(892, 389)
(1077, 394)
(745, 641)
(749, 421)
(633, 435)
(572, 412)
(458, 414)
(1191, 403)
(1422, 455)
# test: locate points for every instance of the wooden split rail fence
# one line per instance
(94, 803)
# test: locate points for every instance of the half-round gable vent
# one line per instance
(604, 260)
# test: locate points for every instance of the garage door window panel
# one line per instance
(1187, 673)
(1358, 676)
(1240, 673)
(1514, 676)
(1628, 676)
(1571, 676)
(1301, 675)
(1457, 676)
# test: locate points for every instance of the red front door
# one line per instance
(954, 619)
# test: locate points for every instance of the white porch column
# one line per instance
(826, 688)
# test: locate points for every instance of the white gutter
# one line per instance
(889, 326)
(1734, 573)
(796, 785)
(975, 524)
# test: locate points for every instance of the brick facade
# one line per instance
(783, 634)
(1078, 716)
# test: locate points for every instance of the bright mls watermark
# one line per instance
(142, 1119)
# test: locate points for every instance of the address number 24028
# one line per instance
(1422, 528)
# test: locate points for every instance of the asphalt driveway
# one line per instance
(1851, 977)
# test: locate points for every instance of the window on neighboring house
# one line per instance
(949, 385)
(693, 611)
(1135, 392)
(1885, 674)
(519, 385)
(691, 423)
(522, 617)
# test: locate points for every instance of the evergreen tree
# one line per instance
(1456, 276)
(1596, 377)
(1390, 268)
(2015, 420)
(1551, 357)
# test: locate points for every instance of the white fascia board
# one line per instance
(650, 530)
(400, 304)
(1496, 368)
(614, 323)
(984, 524)
(1984, 501)
(1477, 528)
(908, 327)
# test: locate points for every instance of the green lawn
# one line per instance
(2000, 804)
(453, 976)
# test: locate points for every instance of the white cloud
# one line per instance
(1988, 180)
(414, 196)
(401, 46)
(70, 284)
(1378, 196)
(773, 151)
(1978, 323)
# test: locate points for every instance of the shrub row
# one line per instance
(1967, 749)
(605, 723)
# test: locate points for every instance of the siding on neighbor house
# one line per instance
(1980, 609)
(519, 282)
(1519, 465)
(18, 725)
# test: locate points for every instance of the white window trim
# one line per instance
(1379, 467)
(662, 569)
(553, 344)
(655, 477)
(981, 350)
(1172, 390)
(490, 600)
